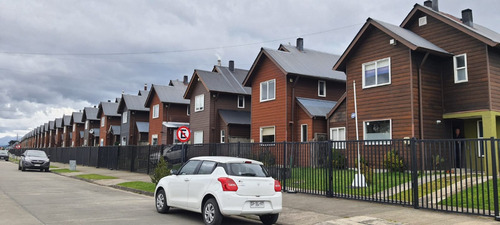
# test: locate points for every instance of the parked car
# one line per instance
(4, 154)
(34, 159)
(171, 154)
(221, 186)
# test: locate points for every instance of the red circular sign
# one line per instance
(18, 147)
(183, 134)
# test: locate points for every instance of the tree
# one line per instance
(12, 142)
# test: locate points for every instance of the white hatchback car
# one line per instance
(221, 186)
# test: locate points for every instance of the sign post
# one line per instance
(183, 135)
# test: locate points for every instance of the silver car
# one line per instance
(34, 159)
(4, 154)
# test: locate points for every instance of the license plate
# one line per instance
(256, 204)
(37, 164)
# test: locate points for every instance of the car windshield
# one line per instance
(36, 154)
(3, 151)
(247, 169)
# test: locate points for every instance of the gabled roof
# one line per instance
(219, 80)
(479, 32)
(46, 127)
(308, 63)
(133, 102)
(235, 117)
(52, 125)
(66, 120)
(89, 113)
(76, 117)
(168, 93)
(59, 122)
(401, 35)
(142, 127)
(107, 109)
(115, 129)
(339, 102)
(316, 107)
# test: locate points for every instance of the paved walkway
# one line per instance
(318, 210)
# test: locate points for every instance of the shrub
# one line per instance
(160, 171)
(393, 162)
(366, 170)
(267, 158)
(338, 159)
(437, 160)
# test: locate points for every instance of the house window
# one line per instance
(198, 137)
(377, 130)
(377, 73)
(267, 134)
(124, 117)
(124, 141)
(267, 90)
(199, 103)
(188, 110)
(84, 142)
(241, 101)
(460, 68)
(222, 136)
(321, 88)
(72, 143)
(422, 21)
(87, 124)
(103, 121)
(65, 129)
(154, 139)
(480, 135)
(337, 134)
(303, 133)
(102, 142)
(156, 111)
(74, 127)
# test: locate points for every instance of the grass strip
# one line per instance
(95, 177)
(139, 185)
(474, 197)
(427, 188)
(63, 170)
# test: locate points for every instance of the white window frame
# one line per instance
(422, 21)
(371, 142)
(267, 91)
(103, 121)
(455, 68)
(156, 111)
(153, 137)
(125, 117)
(222, 136)
(480, 143)
(72, 143)
(198, 134)
(376, 75)
(188, 110)
(102, 142)
(303, 137)
(65, 129)
(338, 137)
(260, 132)
(238, 101)
(87, 122)
(199, 103)
(74, 127)
(321, 83)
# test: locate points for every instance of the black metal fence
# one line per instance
(447, 175)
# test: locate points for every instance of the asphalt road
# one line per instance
(34, 197)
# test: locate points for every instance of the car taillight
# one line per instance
(277, 186)
(228, 184)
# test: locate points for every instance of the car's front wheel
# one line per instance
(161, 202)
(269, 219)
(211, 213)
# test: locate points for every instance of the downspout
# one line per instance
(411, 96)
(420, 101)
(293, 107)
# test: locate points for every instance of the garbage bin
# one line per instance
(72, 164)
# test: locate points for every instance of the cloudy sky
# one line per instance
(57, 57)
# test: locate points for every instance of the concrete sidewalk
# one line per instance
(309, 209)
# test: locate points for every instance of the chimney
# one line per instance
(435, 5)
(300, 44)
(219, 62)
(231, 65)
(145, 87)
(467, 17)
(428, 3)
(109, 100)
(95, 106)
(185, 80)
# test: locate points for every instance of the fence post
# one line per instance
(239, 145)
(414, 174)
(495, 180)
(149, 157)
(329, 192)
(284, 167)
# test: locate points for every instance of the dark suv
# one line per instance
(34, 159)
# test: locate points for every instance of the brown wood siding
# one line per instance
(494, 61)
(338, 118)
(384, 102)
(471, 95)
(319, 127)
(225, 101)
(301, 119)
(108, 137)
(199, 121)
(76, 134)
(238, 131)
(156, 124)
(308, 88)
(270, 113)
(136, 116)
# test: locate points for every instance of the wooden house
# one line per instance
(168, 110)
(77, 129)
(58, 132)
(219, 105)
(109, 117)
(293, 89)
(91, 126)
(133, 112)
(67, 134)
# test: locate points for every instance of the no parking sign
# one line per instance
(183, 134)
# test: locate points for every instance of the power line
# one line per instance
(173, 51)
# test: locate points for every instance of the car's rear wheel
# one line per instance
(211, 213)
(47, 170)
(269, 219)
(161, 202)
(18, 166)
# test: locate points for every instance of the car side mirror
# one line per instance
(174, 172)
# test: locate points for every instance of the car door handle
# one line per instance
(186, 179)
